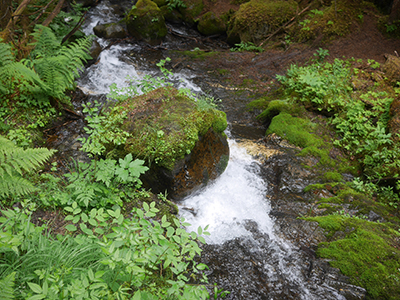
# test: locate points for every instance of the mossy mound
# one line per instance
(328, 22)
(256, 19)
(367, 252)
(210, 24)
(146, 21)
(165, 125)
(191, 11)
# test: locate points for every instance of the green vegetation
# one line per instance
(329, 21)
(29, 88)
(174, 121)
(247, 46)
(112, 257)
(366, 253)
(14, 161)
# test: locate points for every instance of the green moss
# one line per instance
(192, 10)
(210, 24)
(296, 130)
(274, 107)
(199, 54)
(333, 177)
(366, 254)
(324, 206)
(256, 19)
(331, 21)
(223, 71)
(164, 125)
(145, 20)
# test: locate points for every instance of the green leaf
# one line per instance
(137, 296)
(35, 288)
(70, 227)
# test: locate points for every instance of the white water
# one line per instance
(225, 205)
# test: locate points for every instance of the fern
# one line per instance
(7, 287)
(49, 71)
(6, 56)
(14, 162)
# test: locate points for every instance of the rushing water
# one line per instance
(227, 204)
(244, 253)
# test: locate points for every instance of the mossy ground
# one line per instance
(369, 253)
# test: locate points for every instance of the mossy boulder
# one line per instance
(172, 16)
(146, 21)
(182, 142)
(110, 31)
(394, 123)
(257, 18)
(392, 68)
(191, 11)
(210, 24)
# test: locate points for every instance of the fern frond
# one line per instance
(17, 71)
(6, 56)
(13, 162)
(20, 159)
(14, 185)
(7, 287)
(46, 44)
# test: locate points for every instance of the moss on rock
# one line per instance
(191, 11)
(146, 21)
(256, 19)
(210, 24)
(368, 253)
(165, 125)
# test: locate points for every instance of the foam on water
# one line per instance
(237, 196)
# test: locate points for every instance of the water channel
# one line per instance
(245, 253)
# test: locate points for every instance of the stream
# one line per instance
(246, 252)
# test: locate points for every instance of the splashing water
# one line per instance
(237, 196)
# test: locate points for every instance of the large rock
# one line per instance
(392, 68)
(192, 9)
(146, 21)
(110, 31)
(394, 123)
(210, 24)
(182, 142)
(256, 19)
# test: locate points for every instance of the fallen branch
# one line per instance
(284, 25)
(54, 13)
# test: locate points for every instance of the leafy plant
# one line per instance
(99, 183)
(102, 128)
(47, 73)
(247, 46)
(14, 163)
(112, 257)
(175, 4)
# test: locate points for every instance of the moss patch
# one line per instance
(256, 19)
(369, 253)
(330, 21)
(296, 130)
